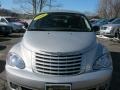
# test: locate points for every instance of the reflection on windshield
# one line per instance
(60, 22)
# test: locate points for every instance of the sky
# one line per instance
(77, 5)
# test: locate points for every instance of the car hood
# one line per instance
(58, 41)
(111, 25)
(17, 23)
(97, 24)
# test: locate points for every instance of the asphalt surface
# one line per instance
(113, 46)
(5, 44)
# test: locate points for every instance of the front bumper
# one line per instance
(18, 29)
(5, 30)
(36, 81)
(106, 33)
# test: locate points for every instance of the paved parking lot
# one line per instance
(114, 47)
(5, 44)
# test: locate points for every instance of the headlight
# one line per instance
(103, 61)
(109, 28)
(23, 27)
(15, 61)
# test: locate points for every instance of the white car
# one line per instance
(17, 27)
(59, 51)
(111, 29)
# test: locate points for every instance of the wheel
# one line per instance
(117, 34)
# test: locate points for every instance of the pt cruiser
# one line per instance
(59, 51)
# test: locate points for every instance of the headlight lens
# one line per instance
(23, 27)
(103, 62)
(109, 28)
(15, 61)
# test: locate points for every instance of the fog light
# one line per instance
(13, 86)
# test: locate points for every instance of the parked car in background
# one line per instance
(5, 29)
(22, 22)
(100, 22)
(17, 26)
(59, 51)
(110, 20)
(111, 29)
(93, 21)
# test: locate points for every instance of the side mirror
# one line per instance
(96, 28)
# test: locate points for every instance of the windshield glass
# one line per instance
(116, 21)
(12, 19)
(60, 22)
(102, 21)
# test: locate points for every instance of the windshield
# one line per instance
(12, 19)
(60, 22)
(102, 21)
(116, 21)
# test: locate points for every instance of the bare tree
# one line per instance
(0, 4)
(36, 5)
(109, 8)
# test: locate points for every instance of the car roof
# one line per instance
(62, 11)
(6, 17)
(117, 18)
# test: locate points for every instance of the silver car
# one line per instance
(16, 26)
(111, 29)
(59, 51)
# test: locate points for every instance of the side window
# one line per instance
(118, 21)
(87, 23)
(3, 20)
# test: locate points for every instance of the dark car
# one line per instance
(23, 22)
(5, 29)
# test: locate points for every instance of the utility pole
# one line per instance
(0, 4)
(50, 6)
(34, 7)
(41, 5)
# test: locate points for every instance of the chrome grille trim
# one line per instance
(58, 64)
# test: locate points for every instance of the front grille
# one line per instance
(5, 28)
(103, 28)
(58, 64)
(20, 26)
